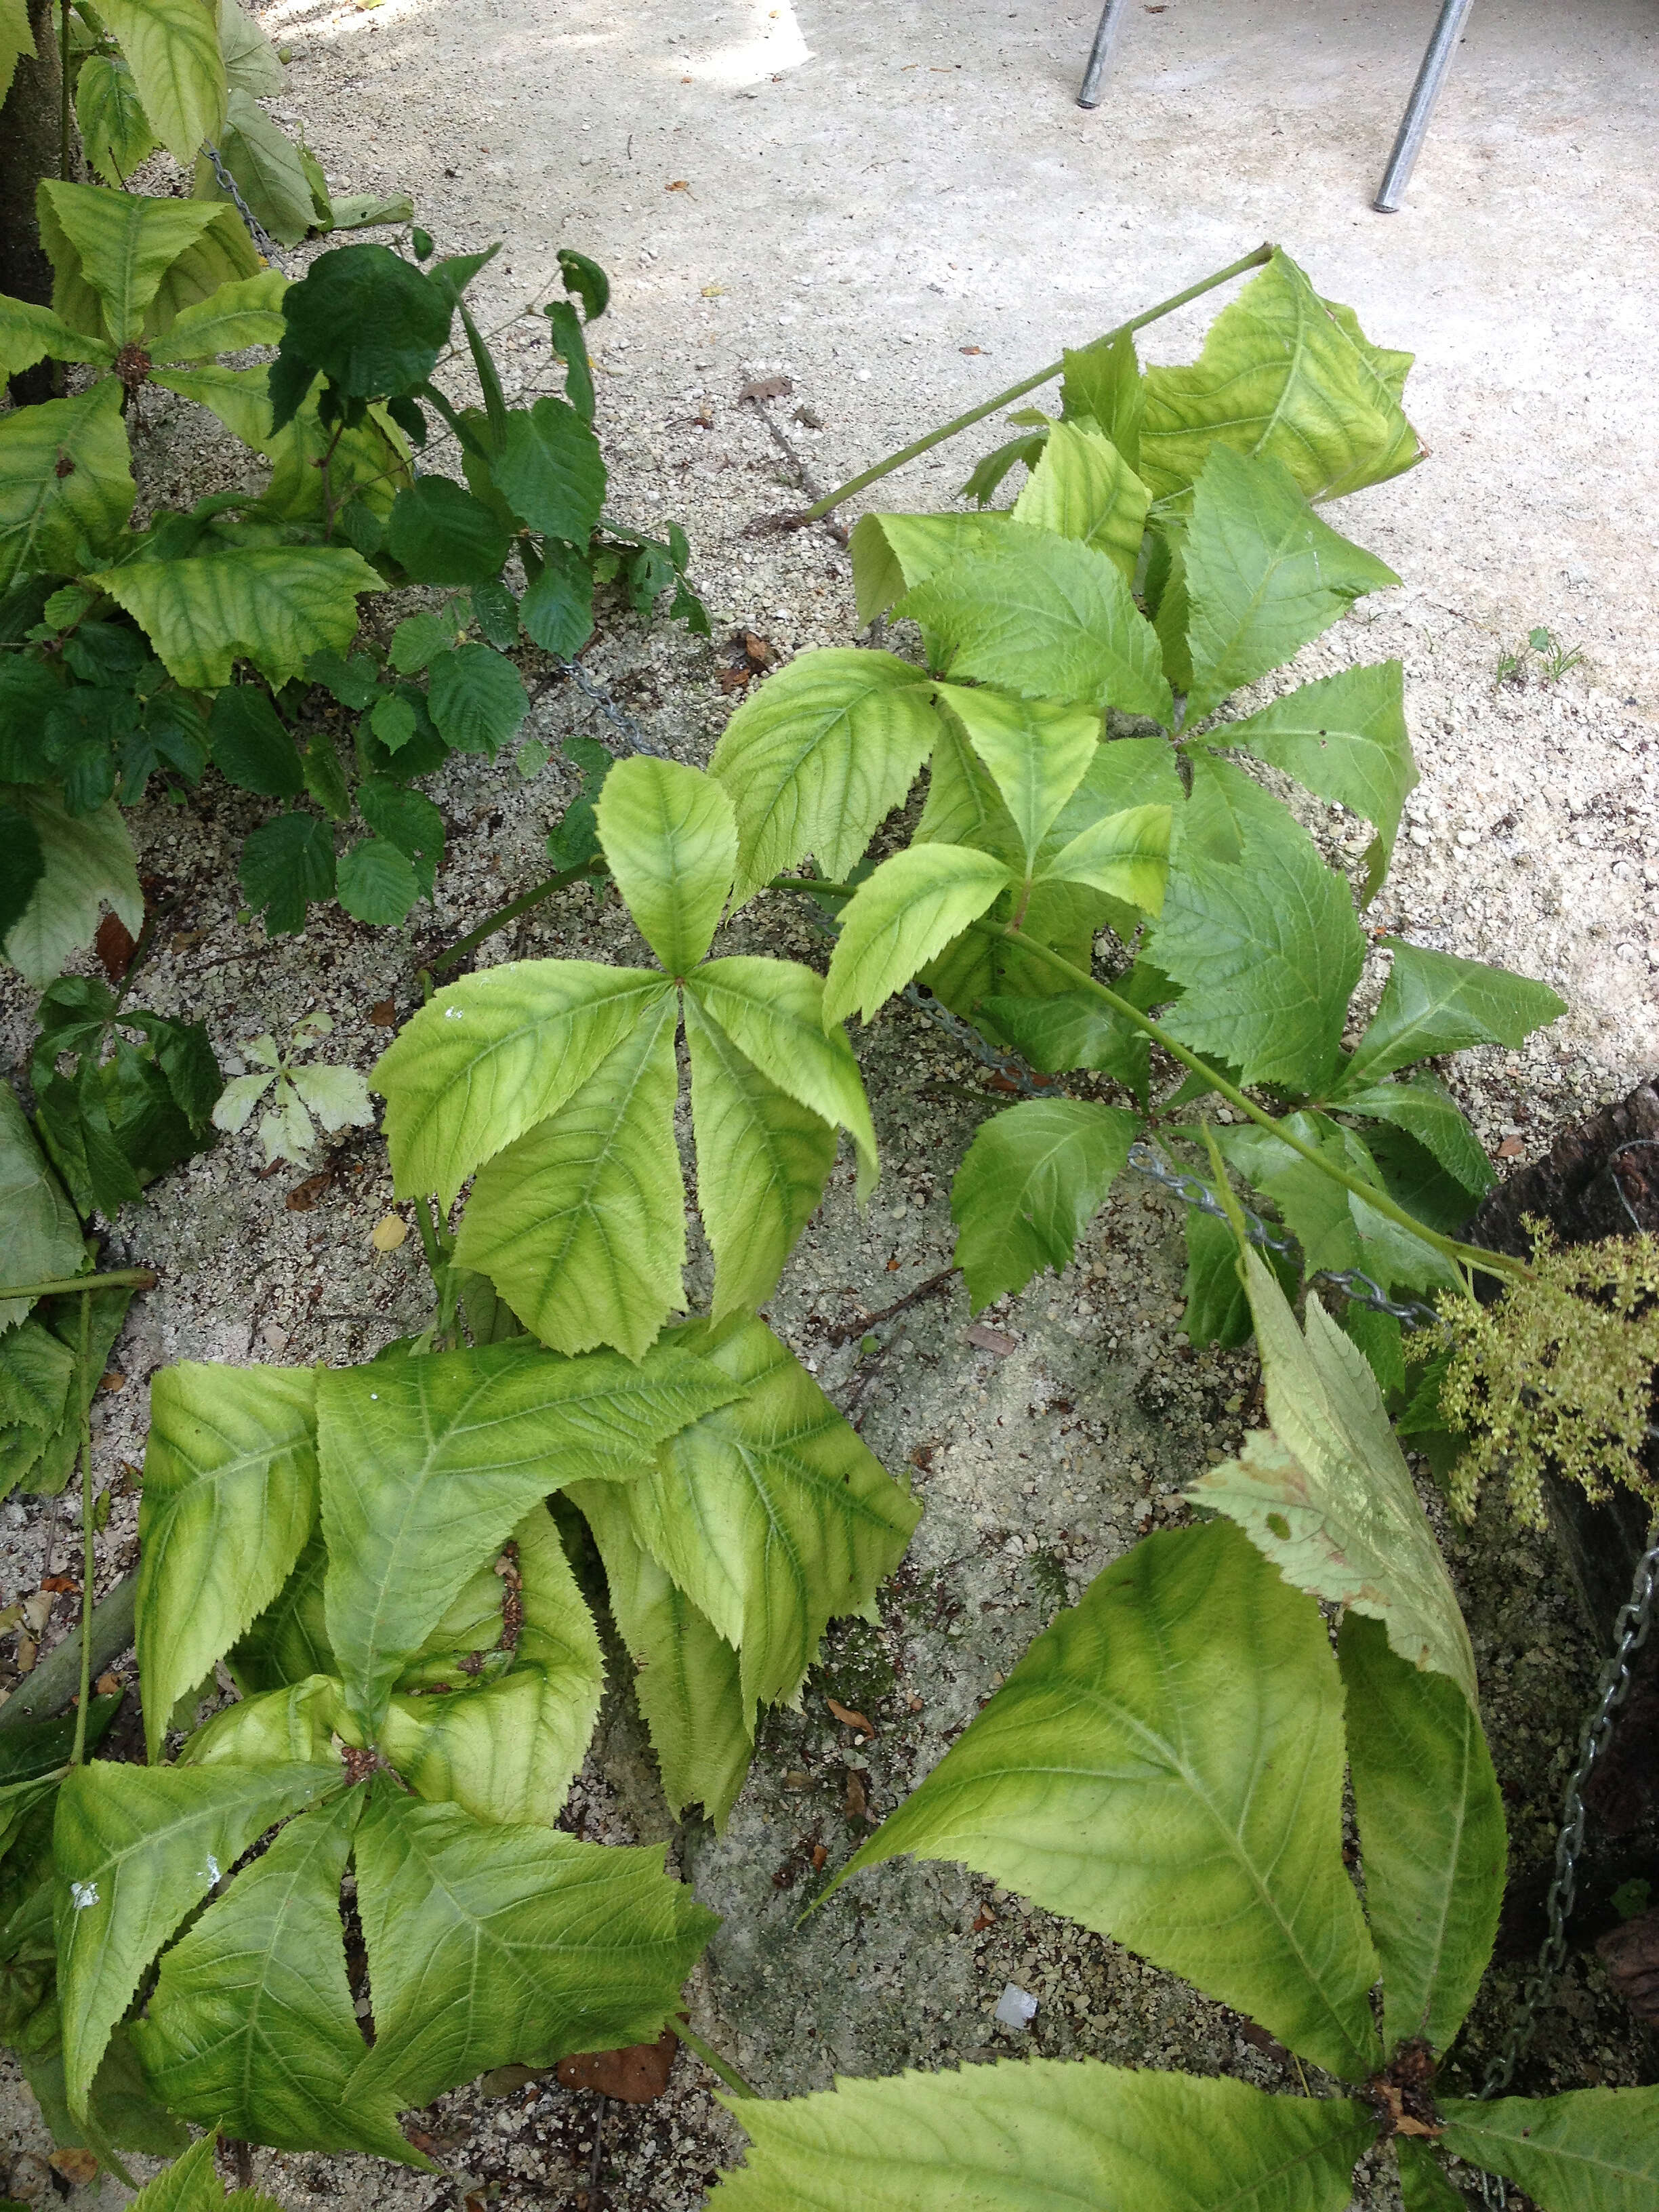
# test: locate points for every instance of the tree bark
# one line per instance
(29, 150)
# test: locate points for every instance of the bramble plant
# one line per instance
(1166, 1765)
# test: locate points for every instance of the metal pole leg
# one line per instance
(1100, 54)
(1414, 124)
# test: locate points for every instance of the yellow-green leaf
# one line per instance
(66, 483)
(1083, 489)
(172, 47)
(274, 606)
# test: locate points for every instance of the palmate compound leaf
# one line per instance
(29, 333)
(1028, 1186)
(1435, 1003)
(580, 1223)
(1267, 951)
(229, 1498)
(274, 606)
(670, 838)
(252, 2027)
(247, 313)
(1084, 487)
(1133, 1775)
(428, 1465)
(1325, 1493)
(1591, 2150)
(763, 1161)
(1264, 575)
(892, 552)
(136, 1848)
(913, 906)
(506, 1749)
(127, 264)
(66, 483)
(89, 865)
(1426, 1111)
(1344, 737)
(16, 39)
(1046, 618)
(1287, 375)
(1430, 1834)
(1425, 2185)
(1036, 752)
(1045, 2135)
(688, 1678)
(1102, 385)
(489, 1057)
(191, 2184)
(493, 1944)
(773, 1011)
(1127, 855)
(816, 757)
(769, 1513)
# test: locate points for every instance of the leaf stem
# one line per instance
(119, 1279)
(1460, 1255)
(712, 2059)
(513, 908)
(88, 1561)
(1263, 254)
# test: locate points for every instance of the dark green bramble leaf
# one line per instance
(229, 1498)
(419, 638)
(287, 863)
(1413, 1178)
(551, 471)
(496, 613)
(408, 820)
(1380, 1338)
(251, 748)
(477, 698)
(28, 692)
(1434, 1003)
(251, 2027)
(557, 609)
(1425, 2185)
(351, 681)
(647, 573)
(1325, 1492)
(1344, 737)
(540, 1944)
(441, 534)
(1218, 1310)
(570, 347)
(375, 882)
(106, 653)
(1431, 1831)
(769, 1513)
(1284, 375)
(82, 734)
(361, 527)
(585, 281)
(428, 1465)
(1263, 576)
(1030, 1183)
(172, 735)
(1045, 2135)
(324, 777)
(25, 867)
(818, 755)
(409, 417)
(1045, 617)
(1591, 2150)
(137, 1849)
(1133, 1775)
(1072, 1029)
(392, 719)
(367, 319)
(1426, 1111)
(575, 838)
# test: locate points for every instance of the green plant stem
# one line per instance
(511, 912)
(712, 2059)
(430, 1244)
(1263, 254)
(1460, 1255)
(52, 1684)
(119, 1279)
(88, 1561)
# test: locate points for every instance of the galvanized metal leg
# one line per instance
(1100, 54)
(1414, 124)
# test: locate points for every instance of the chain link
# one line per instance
(257, 231)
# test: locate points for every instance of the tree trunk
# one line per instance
(29, 149)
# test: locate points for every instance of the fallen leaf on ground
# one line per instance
(633, 2075)
(970, 349)
(819, 1854)
(757, 649)
(679, 185)
(857, 1798)
(767, 387)
(116, 945)
(61, 1583)
(1632, 1957)
(77, 2166)
(304, 1195)
(1511, 1149)
(107, 1684)
(984, 1338)
(502, 2080)
(388, 1234)
(848, 1716)
(384, 1014)
(712, 291)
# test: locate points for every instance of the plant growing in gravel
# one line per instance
(336, 1096)
(1166, 1765)
(120, 651)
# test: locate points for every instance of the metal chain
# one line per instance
(613, 714)
(261, 237)
(1630, 1633)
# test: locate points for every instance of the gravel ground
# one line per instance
(899, 212)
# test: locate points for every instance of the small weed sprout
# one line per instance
(337, 1096)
